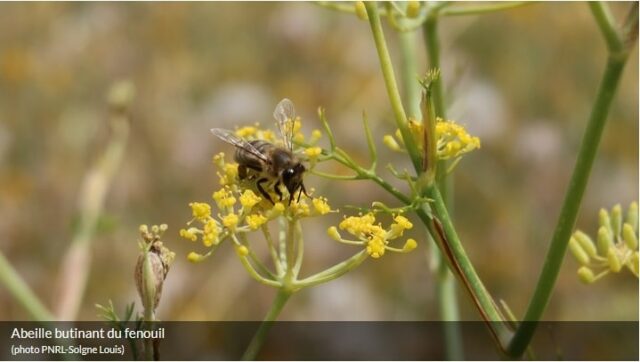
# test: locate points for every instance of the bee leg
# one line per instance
(262, 191)
(276, 188)
(302, 190)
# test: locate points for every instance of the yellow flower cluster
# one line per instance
(372, 235)
(616, 245)
(453, 139)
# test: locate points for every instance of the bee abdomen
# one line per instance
(246, 158)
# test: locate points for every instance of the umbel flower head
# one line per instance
(616, 246)
(372, 235)
(453, 140)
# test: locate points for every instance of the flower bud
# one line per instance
(149, 278)
(121, 95)
(616, 219)
(586, 275)
(632, 216)
(586, 243)
(614, 260)
(391, 143)
(413, 9)
(242, 250)
(605, 221)
(578, 252)
(410, 245)
(361, 10)
(634, 263)
(629, 236)
(604, 240)
(333, 233)
(194, 257)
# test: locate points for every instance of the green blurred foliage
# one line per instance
(523, 80)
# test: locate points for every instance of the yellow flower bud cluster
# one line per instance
(616, 245)
(372, 235)
(453, 139)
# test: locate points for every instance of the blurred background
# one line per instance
(522, 80)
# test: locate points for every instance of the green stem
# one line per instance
(482, 9)
(333, 272)
(606, 22)
(391, 85)
(21, 291)
(575, 191)
(452, 247)
(446, 286)
(430, 33)
(408, 73)
(257, 341)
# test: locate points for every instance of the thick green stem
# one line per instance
(21, 291)
(446, 287)
(409, 73)
(571, 205)
(257, 341)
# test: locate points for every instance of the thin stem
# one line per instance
(333, 272)
(76, 264)
(391, 85)
(255, 275)
(606, 22)
(149, 295)
(272, 250)
(573, 198)
(300, 251)
(261, 268)
(257, 341)
(21, 291)
(483, 9)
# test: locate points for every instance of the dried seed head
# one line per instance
(152, 266)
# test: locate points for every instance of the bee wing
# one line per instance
(230, 137)
(285, 114)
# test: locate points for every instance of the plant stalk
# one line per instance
(258, 339)
(578, 183)
(21, 291)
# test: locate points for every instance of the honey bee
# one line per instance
(269, 162)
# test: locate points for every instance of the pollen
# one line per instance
(454, 140)
(200, 210)
(224, 198)
(211, 233)
(230, 221)
(189, 234)
(321, 206)
(249, 199)
(313, 152)
(255, 221)
(375, 247)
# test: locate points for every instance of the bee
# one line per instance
(269, 162)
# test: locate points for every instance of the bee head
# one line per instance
(292, 177)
